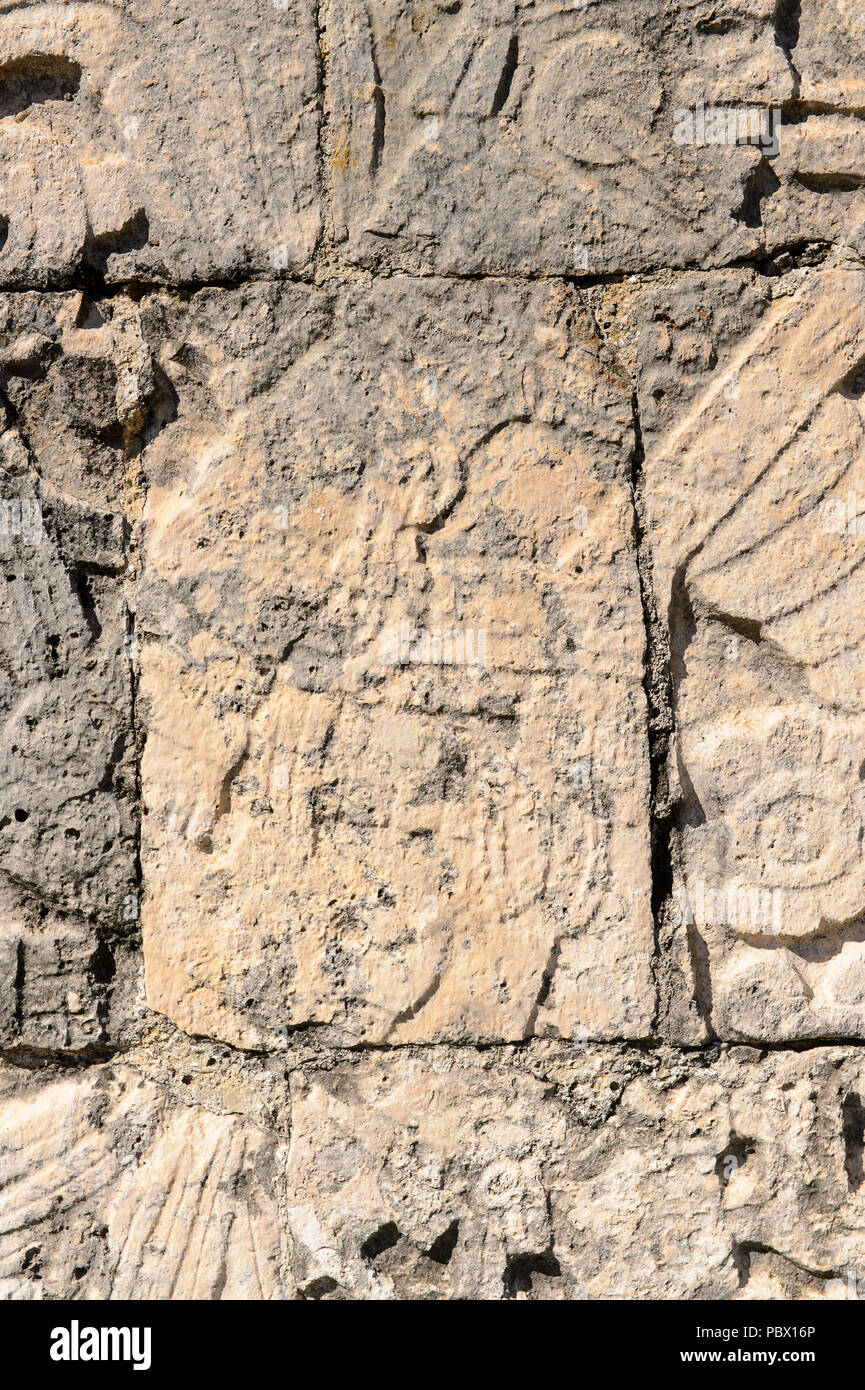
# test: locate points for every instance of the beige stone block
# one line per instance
(109, 1188)
(754, 496)
(392, 670)
(157, 139)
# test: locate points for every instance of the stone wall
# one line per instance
(432, 772)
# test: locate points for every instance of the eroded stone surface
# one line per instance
(584, 139)
(829, 35)
(395, 781)
(160, 139)
(543, 1173)
(79, 395)
(593, 1175)
(500, 137)
(752, 481)
(110, 1191)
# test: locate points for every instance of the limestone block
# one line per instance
(754, 493)
(156, 139)
(395, 781)
(78, 398)
(110, 1191)
(580, 1176)
(493, 137)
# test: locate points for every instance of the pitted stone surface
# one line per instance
(432, 774)
(157, 139)
(395, 782)
(577, 1176)
(79, 396)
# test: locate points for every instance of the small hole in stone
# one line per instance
(733, 1157)
(444, 1245)
(521, 1270)
(383, 1239)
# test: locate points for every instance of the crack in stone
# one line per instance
(657, 686)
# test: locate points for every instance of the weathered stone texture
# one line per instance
(432, 742)
(490, 138)
(497, 137)
(155, 138)
(80, 395)
(544, 1174)
(395, 780)
(587, 1175)
(109, 1189)
(749, 477)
